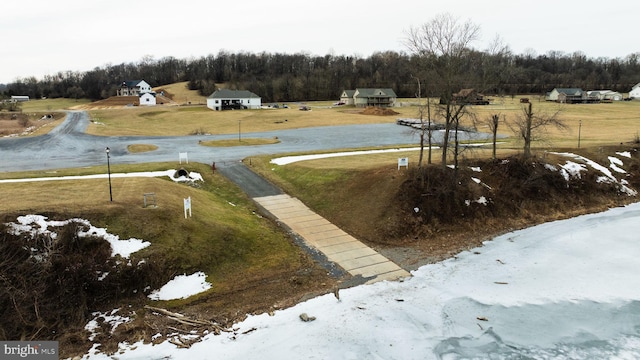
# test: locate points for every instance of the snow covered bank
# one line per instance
(563, 290)
(38, 224)
(291, 159)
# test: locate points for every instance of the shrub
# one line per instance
(50, 283)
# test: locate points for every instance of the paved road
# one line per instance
(68, 146)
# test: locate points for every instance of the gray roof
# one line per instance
(131, 83)
(373, 92)
(232, 94)
(570, 91)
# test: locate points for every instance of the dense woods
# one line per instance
(301, 76)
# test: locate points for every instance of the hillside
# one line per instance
(180, 93)
(117, 102)
(415, 221)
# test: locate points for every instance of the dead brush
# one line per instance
(51, 284)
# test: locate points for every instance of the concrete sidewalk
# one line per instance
(341, 248)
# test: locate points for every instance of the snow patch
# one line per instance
(181, 287)
(110, 318)
(291, 159)
(38, 224)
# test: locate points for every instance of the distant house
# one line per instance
(133, 88)
(604, 95)
(347, 97)
(567, 95)
(469, 97)
(148, 99)
(363, 97)
(635, 91)
(225, 99)
(19, 98)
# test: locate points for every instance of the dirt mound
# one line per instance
(112, 102)
(374, 110)
(122, 101)
(164, 100)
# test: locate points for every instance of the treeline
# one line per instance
(300, 77)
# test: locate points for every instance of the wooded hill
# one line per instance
(280, 77)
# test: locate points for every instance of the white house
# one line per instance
(347, 97)
(605, 95)
(148, 99)
(133, 88)
(225, 99)
(566, 95)
(635, 91)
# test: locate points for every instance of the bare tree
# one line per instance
(496, 69)
(426, 128)
(493, 121)
(442, 43)
(530, 125)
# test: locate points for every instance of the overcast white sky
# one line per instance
(41, 37)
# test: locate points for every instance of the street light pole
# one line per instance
(239, 136)
(107, 150)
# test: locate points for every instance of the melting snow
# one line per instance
(181, 287)
(38, 224)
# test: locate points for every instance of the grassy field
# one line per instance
(180, 93)
(224, 238)
(51, 104)
(178, 121)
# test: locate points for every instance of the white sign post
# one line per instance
(187, 207)
(403, 162)
(183, 155)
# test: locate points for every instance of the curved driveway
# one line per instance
(68, 146)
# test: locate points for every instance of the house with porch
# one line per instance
(363, 97)
(133, 88)
(567, 95)
(225, 99)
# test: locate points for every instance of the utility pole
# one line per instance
(579, 131)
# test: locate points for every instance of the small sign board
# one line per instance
(184, 156)
(149, 199)
(403, 162)
(187, 207)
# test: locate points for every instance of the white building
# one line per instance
(224, 99)
(19, 98)
(635, 91)
(605, 95)
(148, 99)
